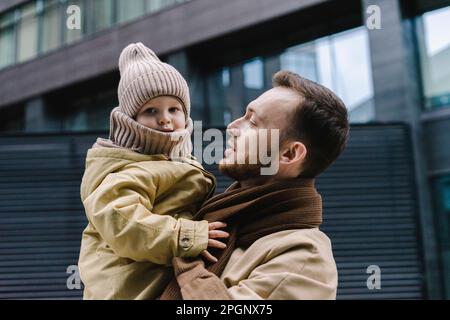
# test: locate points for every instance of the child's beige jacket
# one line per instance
(139, 209)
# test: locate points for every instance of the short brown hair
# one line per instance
(320, 122)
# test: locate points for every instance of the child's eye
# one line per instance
(174, 109)
(151, 110)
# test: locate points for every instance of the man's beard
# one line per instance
(244, 170)
(240, 172)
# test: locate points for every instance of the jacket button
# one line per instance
(185, 242)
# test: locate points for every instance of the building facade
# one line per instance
(57, 78)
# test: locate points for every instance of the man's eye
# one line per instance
(252, 124)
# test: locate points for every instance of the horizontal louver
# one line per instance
(369, 213)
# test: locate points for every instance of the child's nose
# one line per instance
(165, 119)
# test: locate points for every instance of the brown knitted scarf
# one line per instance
(254, 212)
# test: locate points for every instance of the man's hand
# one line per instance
(215, 234)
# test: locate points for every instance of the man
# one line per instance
(275, 249)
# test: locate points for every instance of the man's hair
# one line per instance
(320, 122)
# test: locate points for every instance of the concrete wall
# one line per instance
(166, 31)
(8, 4)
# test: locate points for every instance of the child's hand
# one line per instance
(215, 234)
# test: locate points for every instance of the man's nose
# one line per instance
(233, 132)
(233, 128)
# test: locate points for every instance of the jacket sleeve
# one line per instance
(120, 210)
(196, 282)
(298, 274)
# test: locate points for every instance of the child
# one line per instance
(141, 187)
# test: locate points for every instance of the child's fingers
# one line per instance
(216, 225)
(209, 256)
(218, 234)
(216, 244)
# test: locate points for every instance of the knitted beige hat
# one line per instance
(143, 77)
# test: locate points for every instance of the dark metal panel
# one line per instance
(369, 213)
(437, 145)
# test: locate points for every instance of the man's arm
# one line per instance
(196, 282)
(298, 274)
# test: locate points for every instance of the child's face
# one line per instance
(163, 113)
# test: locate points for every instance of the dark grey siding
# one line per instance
(437, 144)
(369, 213)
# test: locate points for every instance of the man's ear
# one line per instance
(293, 153)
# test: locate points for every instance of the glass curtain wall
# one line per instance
(40, 26)
(52, 26)
(7, 40)
(341, 62)
(27, 31)
(129, 10)
(433, 33)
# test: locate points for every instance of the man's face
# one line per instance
(272, 110)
